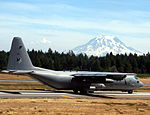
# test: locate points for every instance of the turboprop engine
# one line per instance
(97, 86)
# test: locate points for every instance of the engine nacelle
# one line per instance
(97, 86)
(100, 86)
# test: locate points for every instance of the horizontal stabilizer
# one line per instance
(17, 71)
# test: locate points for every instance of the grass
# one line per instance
(119, 111)
(142, 104)
(15, 76)
(73, 107)
(128, 104)
(23, 86)
(143, 89)
(143, 75)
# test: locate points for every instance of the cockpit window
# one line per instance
(135, 77)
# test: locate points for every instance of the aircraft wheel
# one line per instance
(91, 91)
(130, 91)
(83, 92)
(75, 91)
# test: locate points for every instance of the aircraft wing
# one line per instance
(101, 75)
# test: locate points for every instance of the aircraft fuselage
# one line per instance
(64, 81)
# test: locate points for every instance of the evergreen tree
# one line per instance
(70, 61)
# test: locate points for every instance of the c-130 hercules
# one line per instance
(83, 81)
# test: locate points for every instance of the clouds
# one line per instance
(17, 8)
(115, 26)
(68, 21)
(45, 41)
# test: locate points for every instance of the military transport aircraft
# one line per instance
(83, 81)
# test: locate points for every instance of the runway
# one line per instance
(71, 95)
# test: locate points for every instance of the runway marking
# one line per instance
(70, 97)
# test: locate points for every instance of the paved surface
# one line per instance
(147, 84)
(70, 95)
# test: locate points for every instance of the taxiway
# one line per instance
(71, 95)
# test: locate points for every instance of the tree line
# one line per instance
(69, 61)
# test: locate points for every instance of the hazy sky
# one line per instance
(64, 24)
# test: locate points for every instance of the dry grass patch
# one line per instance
(13, 76)
(145, 88)
(74, 106)
(145, 80)
(23, 86)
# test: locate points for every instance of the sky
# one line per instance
(64, 24)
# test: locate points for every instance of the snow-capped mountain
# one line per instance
(101, 45)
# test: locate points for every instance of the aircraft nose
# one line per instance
(141, 84)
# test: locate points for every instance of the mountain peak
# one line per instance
(99, 36)
(103, 44)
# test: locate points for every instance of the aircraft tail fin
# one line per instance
(19, 58)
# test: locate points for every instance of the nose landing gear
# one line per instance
(130, 91)
(75, 91)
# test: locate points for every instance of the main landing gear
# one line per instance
(130, 91)
(82, 91)
(75, 91)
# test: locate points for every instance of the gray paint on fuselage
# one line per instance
(124, 85)
(53, 80)
(64, 80)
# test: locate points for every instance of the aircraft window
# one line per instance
(136, 77)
